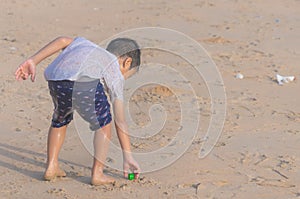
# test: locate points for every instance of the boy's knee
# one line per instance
(106, 131)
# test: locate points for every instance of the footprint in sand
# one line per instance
(261, 181)
(58, 192)
(252, 158)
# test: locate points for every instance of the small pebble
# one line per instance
(13, 48)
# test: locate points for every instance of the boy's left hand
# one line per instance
(25, 70)
(132, 165)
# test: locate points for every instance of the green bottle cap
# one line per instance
(131, 176)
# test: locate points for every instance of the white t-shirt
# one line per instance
(84, 61)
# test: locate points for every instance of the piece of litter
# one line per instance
(284, 79)
(239, 76)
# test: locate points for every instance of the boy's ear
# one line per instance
(127, 63)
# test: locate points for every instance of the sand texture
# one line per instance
(257, 155)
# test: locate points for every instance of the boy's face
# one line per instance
(125, 67)
(129, 73)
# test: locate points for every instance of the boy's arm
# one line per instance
(115, 84)
(122, 132)
(51, 48)
(27, 68)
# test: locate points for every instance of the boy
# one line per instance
(73, 80)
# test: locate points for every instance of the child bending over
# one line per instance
(76, 80)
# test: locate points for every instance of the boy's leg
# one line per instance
(56, 137)
(61, 93)
(92, 105)
(101, 143)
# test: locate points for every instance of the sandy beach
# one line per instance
(257, 154)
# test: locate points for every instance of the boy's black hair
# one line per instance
(125, 47)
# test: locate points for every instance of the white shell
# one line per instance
(239, 76)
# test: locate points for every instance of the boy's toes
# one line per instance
(51, 175)
(61, 173)
(104, 179)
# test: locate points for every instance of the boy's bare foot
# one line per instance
(51, 174)
(102, 179)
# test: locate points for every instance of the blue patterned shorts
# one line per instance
(87, 98)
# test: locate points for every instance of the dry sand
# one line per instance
(257, 155)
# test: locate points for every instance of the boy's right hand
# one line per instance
(130, 164)
(25, 70)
